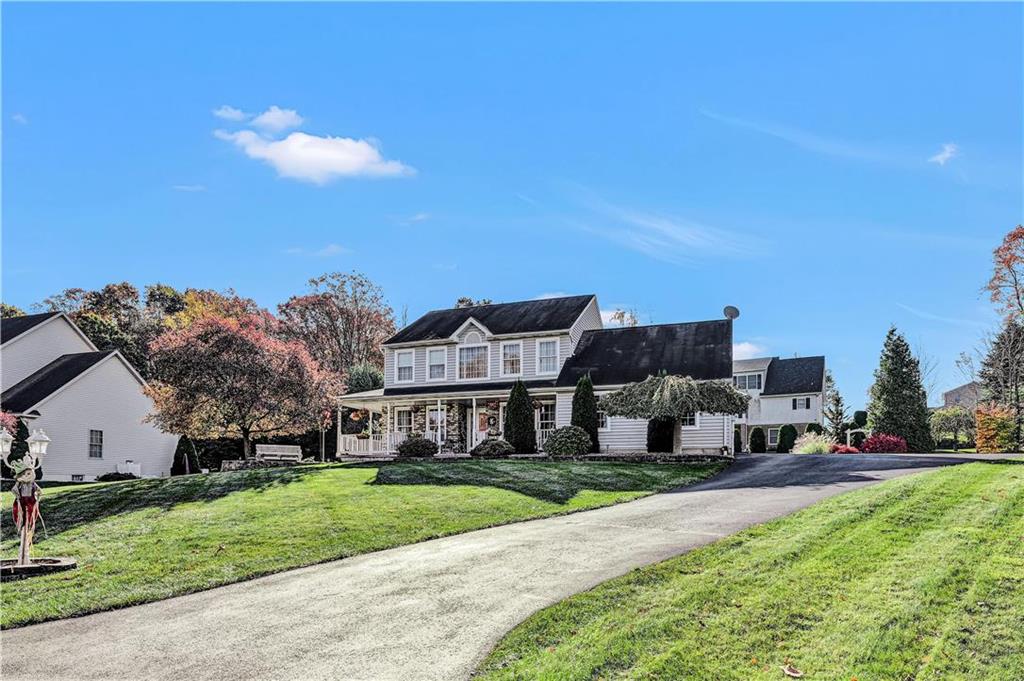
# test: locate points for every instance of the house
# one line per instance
(448, 374)
(782, 391)
(89, 402)
(967, 395)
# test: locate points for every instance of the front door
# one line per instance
(478, 427)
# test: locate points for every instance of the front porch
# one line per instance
(455, 424)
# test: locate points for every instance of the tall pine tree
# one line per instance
(584, 410)
(898, 402)
(1002, 374)
(519, 427)
(834, 409)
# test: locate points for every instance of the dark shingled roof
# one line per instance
(32, 390)
(13, 327)
(465, 387)
(701, 350)
(528, 316)
(796, 375)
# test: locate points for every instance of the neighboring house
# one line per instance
(448, 374)
(783, 391)
(89, 402)
(967, 395)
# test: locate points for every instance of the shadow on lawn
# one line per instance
(552, 482)
(74, 507)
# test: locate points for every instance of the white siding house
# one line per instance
(783, 392)
(90, 403)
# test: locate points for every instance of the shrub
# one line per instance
(814, 428)
(114, 476)
(860, 418)
(995, 429)
(493, 447)
(568, 441)
(584, 410)
(787, 436)
(737, 440)
(417, 445)
(758, 445)
(660, 434)
(881, 443)
(519, 427)
(186, 458)
(813, 443)
(844, 449)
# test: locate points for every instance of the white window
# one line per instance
(95, 444)
(512, 358)
(473, 362)
(437, 360)
(77, 478)
(403, 366)
(547, 356)
(773, 437)
(436, 424)
(403, 421)
(748, 381)
(801, 403)
(546, 416)
(689, 421)
(602, 421)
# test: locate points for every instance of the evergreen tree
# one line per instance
(814, 428)
(186, 458)
(584, 410)
(737, 440)
(519, 427)
(660, 435)
(1002, 374)
(898, 402)
(787, 437)
(834, 409)
(757, 442)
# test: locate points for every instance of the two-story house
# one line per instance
(783, 391)
(90, 402)
(448, 374)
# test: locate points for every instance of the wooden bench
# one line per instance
(281, 453)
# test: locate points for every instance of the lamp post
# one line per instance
(25, 490)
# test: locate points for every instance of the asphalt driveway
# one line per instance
(430, 610)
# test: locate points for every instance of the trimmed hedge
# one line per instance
(758, 445)
(737, 440)
(417, 445)
(881, 443)
(787, 438)
(519, 427)
(493, 447)
(584, 410)
(114, 476)
(186, 458)
(568, 441)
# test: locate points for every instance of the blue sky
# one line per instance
(829, 169)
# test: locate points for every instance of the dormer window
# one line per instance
(403, 366)
(747, 381)
(547, 356)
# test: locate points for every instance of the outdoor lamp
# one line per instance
(5, 444)
(37, 443)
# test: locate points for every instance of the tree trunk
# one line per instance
(246, 444)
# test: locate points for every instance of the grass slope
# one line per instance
(917, 578)
(146, 540)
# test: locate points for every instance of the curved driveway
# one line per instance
(429, 610)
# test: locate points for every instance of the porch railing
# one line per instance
(542, 437)
(378, 443)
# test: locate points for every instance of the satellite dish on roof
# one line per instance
(731, 312)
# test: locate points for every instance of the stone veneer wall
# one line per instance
(455, 426)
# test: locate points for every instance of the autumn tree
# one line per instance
(1001, 374)
(343, 321)
(8, 311)
(222, 377)
(898, 403)
(1006, 287)
(196, 304)
(624, 317)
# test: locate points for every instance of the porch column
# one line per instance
(437, 424)
(474, 428)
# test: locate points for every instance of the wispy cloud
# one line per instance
(19, 118)
(748, 350)
(413, 219)
(949, 152)
(276, 119)
(552, 294)
(528, 200)
(189, 188)
(924, 314)
(325, 252)
(230, 113)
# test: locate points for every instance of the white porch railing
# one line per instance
(378, 443)
(542, 437)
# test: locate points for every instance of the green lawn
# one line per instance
(145, 540)
(917, 578)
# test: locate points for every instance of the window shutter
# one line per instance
(794, 404)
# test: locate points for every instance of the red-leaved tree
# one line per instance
(235, 377)
(1006, 287)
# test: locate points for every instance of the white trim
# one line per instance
(444, 363)
(399, 353)
(696, 423)
(501, 358)
(768, 436)
(407, 410)
(471, 320)
(59, 315)
(558, 355)
(458, 373)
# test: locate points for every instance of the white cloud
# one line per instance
(747, 350)
(413, 219)
(949, 152)
(931, 316)
(276, 119)
(19, 118)
(230, 113)
(315, 159)
(325, 252)
(189, 188)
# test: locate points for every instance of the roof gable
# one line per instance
(795, 375)
(12, 327)
(528, 316)
(37, 387)
(701, 350)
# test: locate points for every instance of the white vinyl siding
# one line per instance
(590, 319)
(37, 347)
